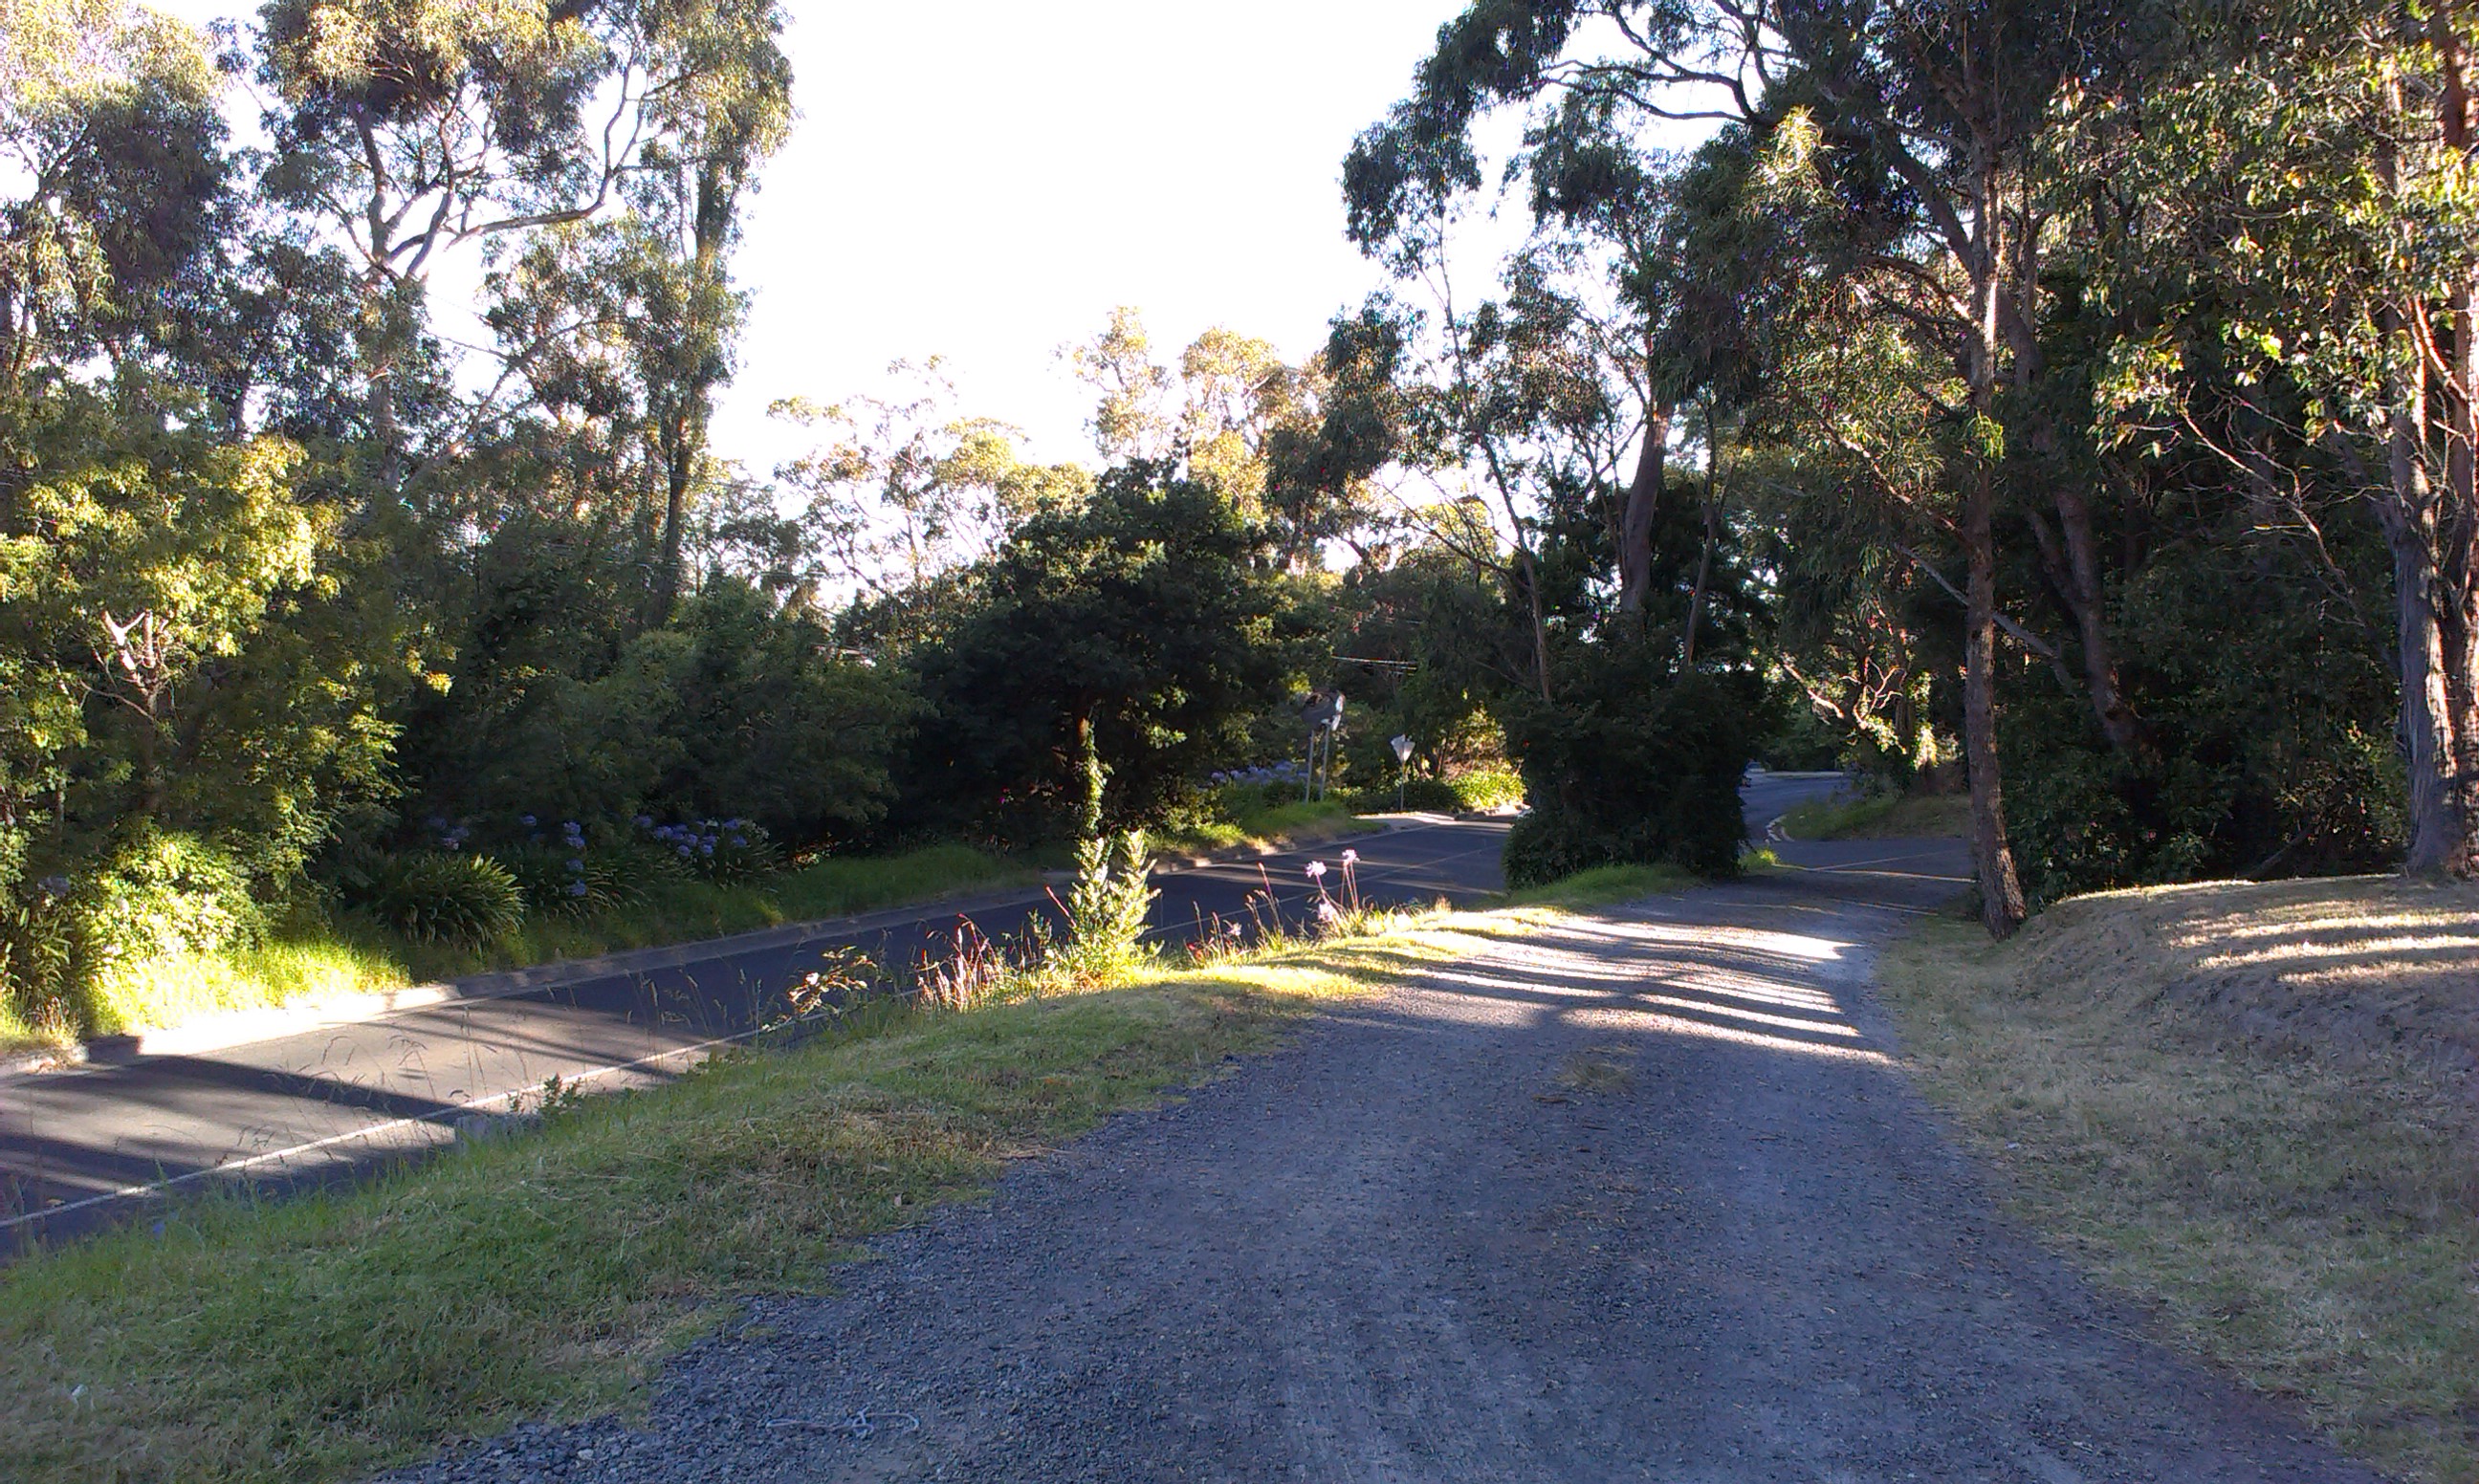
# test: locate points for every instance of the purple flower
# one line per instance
(644, 821)
(577, 865)
(526, 820)
(576, 888)
(686, 851)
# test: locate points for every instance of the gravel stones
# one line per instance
(1639, 1197)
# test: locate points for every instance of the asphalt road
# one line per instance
(83, 1147)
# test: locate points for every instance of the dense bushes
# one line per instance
(1480, 789)
(741, 709)
(1124, 641)
(1646, 771)
(440, 896)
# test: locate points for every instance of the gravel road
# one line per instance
(1642, 1197)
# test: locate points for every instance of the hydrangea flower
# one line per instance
(576, 888)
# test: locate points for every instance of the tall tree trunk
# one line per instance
(2002, 908)
(1644, 496)
(1529, 565)
(1712, 537)
(2434, 822)
(2457, 590)
(2081, 575)
(2407, 511)
(680, 455)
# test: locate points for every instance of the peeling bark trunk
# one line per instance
(1644, 494)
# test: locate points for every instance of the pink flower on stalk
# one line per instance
(1350, 857)
(1316, 869)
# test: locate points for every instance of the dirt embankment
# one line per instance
(2256, 1105)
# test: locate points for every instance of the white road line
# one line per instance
(374, 1130)
(367, 1131)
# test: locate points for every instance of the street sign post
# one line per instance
(1325, 715)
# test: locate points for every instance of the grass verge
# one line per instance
(314, 957)
(326, 1336)
(1605, 886)
(2249, 1105)
(1879, 817)
(1264, 827)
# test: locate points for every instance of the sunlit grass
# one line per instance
(1605, 886)
(2249, 1105)
(544, 1274)
(1296, 823)
(313, 959)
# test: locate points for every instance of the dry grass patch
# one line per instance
(2252, 1104)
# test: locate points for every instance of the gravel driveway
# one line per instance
(1639, 1197)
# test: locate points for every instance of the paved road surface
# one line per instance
(83, 1147)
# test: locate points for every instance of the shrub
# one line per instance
(1645, 773)
(716, 850)
(157, 896)
(1487, 788)
(435, 897)
(1106, 910)
(573, 882)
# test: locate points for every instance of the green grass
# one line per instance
(316, 958)
(1605, 886)
(544, 1274)
(1878, 817)
(1295, 823)
(2242, 1104)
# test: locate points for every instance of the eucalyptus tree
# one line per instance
(118, 181)
(1242, 418)
(1919, 130)
(407, 128)
(2298, 189)
(906, 493)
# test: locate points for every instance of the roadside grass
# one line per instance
(1268, 826)
(1879, 817)
(1604, 886)
(315, 956)
(547, 1273)
(2250, 1105)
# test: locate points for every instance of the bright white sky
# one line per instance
(984, 180)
